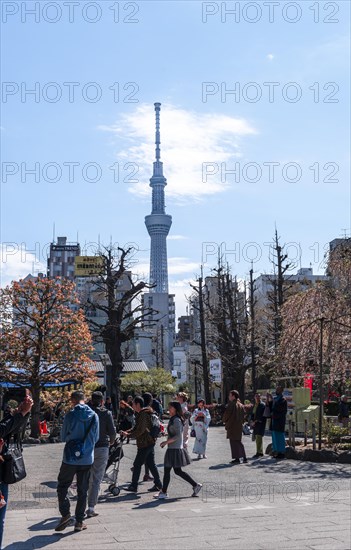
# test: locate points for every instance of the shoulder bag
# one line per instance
(13, 469)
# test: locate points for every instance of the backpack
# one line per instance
(74, 448)
(155, 426)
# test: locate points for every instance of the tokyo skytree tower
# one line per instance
(158, 223)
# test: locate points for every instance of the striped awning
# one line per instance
(134, 365)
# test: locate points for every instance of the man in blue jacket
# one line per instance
(82, 425)
(279, 412)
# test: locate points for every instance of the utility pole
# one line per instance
(320, 383)
(162, 348)
(203, 341)
(156, 349)
(252, 331)
(195, 379)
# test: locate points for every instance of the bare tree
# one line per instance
(123, 314)
(252, 313)
(229, 317)
(199, 305)
(280, 286)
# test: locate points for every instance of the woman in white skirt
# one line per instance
(176, 456)
(200, 421)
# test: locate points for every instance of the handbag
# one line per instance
(13, 468)
(74, 449)
(193, 433)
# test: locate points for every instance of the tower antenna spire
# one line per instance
(157, 136)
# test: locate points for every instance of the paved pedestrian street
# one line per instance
(264, 504)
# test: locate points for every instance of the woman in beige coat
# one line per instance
(233, 419)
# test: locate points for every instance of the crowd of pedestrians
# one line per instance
(89, 430)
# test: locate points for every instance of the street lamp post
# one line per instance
(320, 383)
(195, 378)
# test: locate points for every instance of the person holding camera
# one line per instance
(12, 424)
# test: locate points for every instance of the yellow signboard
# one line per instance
(88, 266)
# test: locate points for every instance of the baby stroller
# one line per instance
(112, 467)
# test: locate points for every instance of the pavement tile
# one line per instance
(336, 546)
(232, 522)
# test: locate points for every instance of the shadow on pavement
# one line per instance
(221, 466)
(107, 497)
(39, 541)
(45, 525)
(50, 484)
(156, 502)
(312, 470)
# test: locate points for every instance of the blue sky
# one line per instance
(166, 55)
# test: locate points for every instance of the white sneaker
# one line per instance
(197, 489)
(161, 495)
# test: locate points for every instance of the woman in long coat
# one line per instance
(258, 424)
(200, 421)
(233, 419)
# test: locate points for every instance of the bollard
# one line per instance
(314, 436)
(289, 433)
(305, 434)
(293, 434)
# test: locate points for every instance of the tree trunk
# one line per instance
(206, 378)
(113, 378)
(235, 380)
(35, 413)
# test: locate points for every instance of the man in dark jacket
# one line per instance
(258, 424)
(107, 436)
(279, 412)
(145, 443)
(156, 405)
(81, 423)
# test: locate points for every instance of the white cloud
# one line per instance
(177, 266)
(182, 290)
(188, 139)
(16, 263)
(270, 57)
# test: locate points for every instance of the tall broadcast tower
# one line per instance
(158, 223)
(157, 341)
